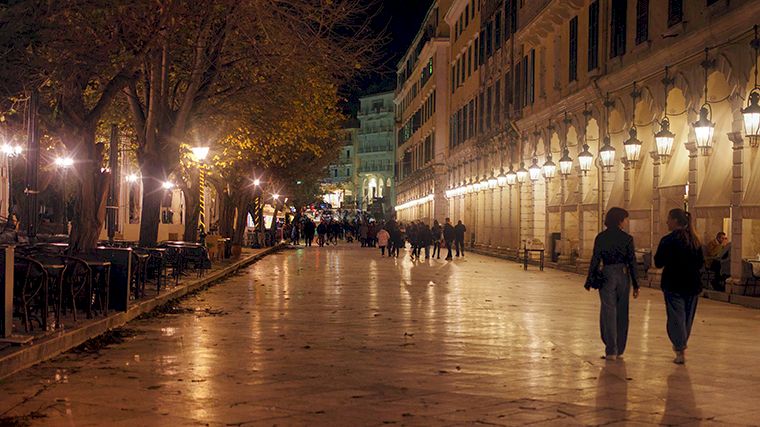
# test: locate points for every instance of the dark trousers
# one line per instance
(436, 248)
(613, 315)
(459, 243)
(680, 310)
(448, 247)
(382, 251)
(309, 239)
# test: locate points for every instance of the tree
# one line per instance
(78, 54)
(225, 57)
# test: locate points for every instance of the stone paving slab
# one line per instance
(16, 358)
(339, 336)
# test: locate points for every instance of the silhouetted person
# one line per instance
(614, 253)
(449, 234)
(680, 256)
(459, 230)
(435, 231)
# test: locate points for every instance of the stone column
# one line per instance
(440, 203)
(735, 284)
(627, 171)
(655, 229)
(582, 179)
(693, 174)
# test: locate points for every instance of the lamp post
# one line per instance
(751, 113)
(64, 163)
(11, 151)
(200, 154)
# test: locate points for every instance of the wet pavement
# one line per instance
(341, 336)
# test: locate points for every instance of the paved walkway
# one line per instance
(340, 336)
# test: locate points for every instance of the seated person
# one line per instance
(717, 252)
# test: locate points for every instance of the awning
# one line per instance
(714, 196)
(641, 188)
(751, 201)
(617, 195)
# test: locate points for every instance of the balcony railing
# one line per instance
(376, 168)
(377, 110)
(375, 149)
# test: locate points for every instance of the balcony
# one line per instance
(376, 168)
(376, 149)
(377, 110)
(368, 131)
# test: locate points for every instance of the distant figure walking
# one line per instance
(459, 230)
(615, 255)
(680, 256)
(435, 231)
(382, 240)
(449, 234)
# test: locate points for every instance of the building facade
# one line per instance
(340, 186)
(583, 105)
(376, 153)
(422, 120)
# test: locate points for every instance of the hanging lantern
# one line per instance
(751, 113)
(550, 169)
(484, 184)
(607, 154)
(476, 186)
(632, 147)
(501, 180)
(522, 173)
(534, 170)
(585, 159)
(511, 177)
(664, 140)
(469, 188)
(565, 163)
(751, 116)
(492, 182)
(704, 129)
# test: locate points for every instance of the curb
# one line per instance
(60, 342)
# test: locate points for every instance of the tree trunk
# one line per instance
(226, 214)
(193, 209)
(153, 193)
(91, 193)
(241, 220)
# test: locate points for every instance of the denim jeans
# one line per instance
(613, 315)
(680, 310)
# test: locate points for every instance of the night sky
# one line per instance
(399, 20)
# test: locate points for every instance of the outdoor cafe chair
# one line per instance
(30, 291)
(78, 285)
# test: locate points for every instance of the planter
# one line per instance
(236, 251)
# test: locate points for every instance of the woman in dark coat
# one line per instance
(614, 253)
(680, 256)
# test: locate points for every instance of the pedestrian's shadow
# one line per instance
(680, 405)
(612, 388)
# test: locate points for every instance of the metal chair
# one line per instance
(30, 283)
(78, 279)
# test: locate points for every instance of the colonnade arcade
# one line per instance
(720, 185)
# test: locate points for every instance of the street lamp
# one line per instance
(275, 196)
(200, 154)
(585, 159)
(64, 163)
(132, 178)
(550, 168)
(492, 182)
(502, 179)
(257, 182)
(167, 185)
(11, 151)
(534, 170)
(565, 163)
(751, 113)
(607, 154)
(522, 173)
(511, 176)
(704, 128)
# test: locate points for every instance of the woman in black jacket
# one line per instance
(680, 256)
(615, 253)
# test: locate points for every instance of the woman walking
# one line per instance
(680, 256)
(613, 263)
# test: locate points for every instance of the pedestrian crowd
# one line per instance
(612, 270)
